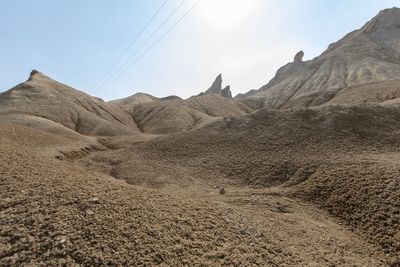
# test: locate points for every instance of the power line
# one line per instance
(106, 82)
(110, 79)
(155, 43)
(132, 42)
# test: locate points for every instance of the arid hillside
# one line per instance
(172, 114)
(368, 55)
(344, 159)
(44, 103)
(43, 97)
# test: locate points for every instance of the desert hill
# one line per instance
(42, 97)
(182, 115)
(171, 114)
(368, 55)
(45, 103)
(139, 98)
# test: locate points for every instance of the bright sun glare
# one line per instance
(226, 13)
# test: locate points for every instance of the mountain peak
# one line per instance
(384, 27)
(386, 19)
(35, 74)
(394, 11)
(216, 88)
(299, 57)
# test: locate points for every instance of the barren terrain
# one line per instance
(302, 172)
(58, 212)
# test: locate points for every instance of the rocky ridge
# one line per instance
(216, 88)
(368, 55)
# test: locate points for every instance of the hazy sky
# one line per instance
(77, 41)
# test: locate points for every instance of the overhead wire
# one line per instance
(126, 62)
(154, 44)
(132, 42)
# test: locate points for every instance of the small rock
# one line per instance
(222, 191)
(94, 200)
(89, 212)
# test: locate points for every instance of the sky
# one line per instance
(79, 42)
